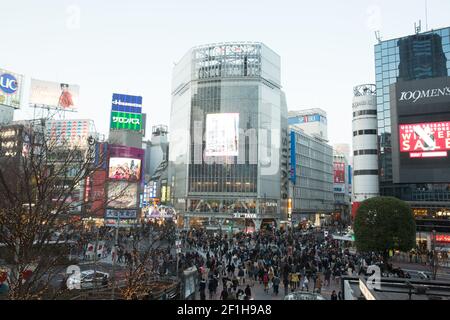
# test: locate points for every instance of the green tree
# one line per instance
(384, 223)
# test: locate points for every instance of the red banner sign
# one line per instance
(443, 238)
(424, 140)
(339, 172)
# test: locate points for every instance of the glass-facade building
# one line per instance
(311, 176)
(228, 135)
(421, 56)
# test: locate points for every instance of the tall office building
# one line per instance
(411, 72)
(311, 178)
(228, 136)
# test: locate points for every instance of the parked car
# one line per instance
(89, 279)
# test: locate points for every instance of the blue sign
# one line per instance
(293, 171)
(349, 174)
(8, 83)
(126, 103)
(306, 119)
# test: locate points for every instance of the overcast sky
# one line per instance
(326, 47)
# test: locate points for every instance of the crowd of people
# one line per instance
(294, 260)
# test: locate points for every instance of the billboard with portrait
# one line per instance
(124, 169)
(11, 86)
(122, 195)
(118, 151)
(222, 135)
(55, 95)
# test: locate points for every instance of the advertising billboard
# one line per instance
(117, 151)
(123, 223)
(222, 135)
(339, 172)
(420, 120)
(55, 95)
(126, 103)
(97, 195)
(124, 169)
(423, 140)
(10, 89)
(121, 214)
(126, 121)
(73, 133)
(122, 195)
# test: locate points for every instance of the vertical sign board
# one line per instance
(293, 168)
(126, 112)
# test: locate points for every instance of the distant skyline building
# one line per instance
(311, 121)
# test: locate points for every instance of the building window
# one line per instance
(365, 152)
(365, 173)
(364, 112)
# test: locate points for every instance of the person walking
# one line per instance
(202, 289)
(318, 284)
(286, 286)
(305, 284)
(276, 284)
(334, 295)
(248, 292)
(266, 282)
(224, 294)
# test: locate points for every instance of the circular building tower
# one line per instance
(365, 145)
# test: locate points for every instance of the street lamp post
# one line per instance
(434, 263)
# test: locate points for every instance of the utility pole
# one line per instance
(116, 247)
(434, 263)
(95, 259)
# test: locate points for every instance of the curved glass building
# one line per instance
(228, 153)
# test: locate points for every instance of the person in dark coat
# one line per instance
(248, 292)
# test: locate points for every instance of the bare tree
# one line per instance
(39, 177)
(144, 265)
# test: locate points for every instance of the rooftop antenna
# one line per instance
(378, 36)
(426, 15)
(418, 28)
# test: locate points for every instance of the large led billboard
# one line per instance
(124, 153)
(124, 169)
(10, 88)
(420, 120)
(222, 135)
(126, 121)
(122, 195)
(425, 140)
(55, 95)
